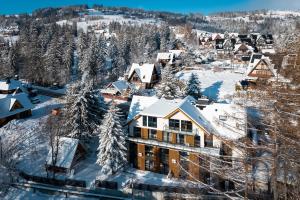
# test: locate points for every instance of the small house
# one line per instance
(261, 68)
(143, 76)
(69, 152)
(166, 58)
(119, 89)
(15, 106)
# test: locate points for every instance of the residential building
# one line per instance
(119, 90)
(64, 159)
(175, 137)
(143, 76)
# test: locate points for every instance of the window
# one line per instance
(180, 139)
(197, 141)
(152, 134)
(167, 137)
(144, 120)
(152, 122)
(174, 124)
(137, 132)
(186, 126)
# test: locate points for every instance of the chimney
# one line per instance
(17, 77)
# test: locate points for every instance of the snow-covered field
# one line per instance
(217, 86)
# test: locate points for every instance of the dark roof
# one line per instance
(242, 36)
(245, 58)
(248, 41)
(219, 43)
(268, 38)
(255, 56)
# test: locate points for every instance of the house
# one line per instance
(14, 106)
(164, 134)
(119, 89)
(10, 86)
(143, 76)
(164, 59)
(225, 46)
(69, 153)
(261, 68)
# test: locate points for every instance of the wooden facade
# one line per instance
(261, 70)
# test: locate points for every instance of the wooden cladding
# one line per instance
(190, 139)
(145, 133)
(174, 159)
(173, 138)
(194, 168)
(159, 135)
(141, 156)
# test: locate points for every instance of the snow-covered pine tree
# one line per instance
(169, 87)
(85, 111)
(193, 86)
(112, 145)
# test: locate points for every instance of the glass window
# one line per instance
(144, 120)
(152, 134)
(152, 122)
(149, 152)
(174, 124)
(180, 139)
(186, 126)
(197, 141)
(137, 132)
(167, 137)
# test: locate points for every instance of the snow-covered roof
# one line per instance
(226, 120)
(176, 52)
(139, 103)
(117, 86)
(208, 118)
(11, 84)
(165, 56)
(66, 152)
(144, 71)
(268, 62)
(7, 103)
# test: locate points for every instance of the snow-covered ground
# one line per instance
(84, 23)
(22, 194)
(31, 142)
(217, 86)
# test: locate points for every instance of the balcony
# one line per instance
(203, 150)
(177, 130)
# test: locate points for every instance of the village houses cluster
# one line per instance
(175, 137)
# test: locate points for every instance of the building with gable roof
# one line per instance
(165, 134)
(143, 76)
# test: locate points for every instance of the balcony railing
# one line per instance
(177, 130)
(204, 150)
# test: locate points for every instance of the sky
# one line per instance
(182, 6)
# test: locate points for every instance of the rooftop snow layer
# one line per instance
(66, 152)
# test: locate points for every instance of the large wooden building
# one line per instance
(175, 137)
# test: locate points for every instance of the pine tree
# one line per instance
(85, 111)
(193, 86)
(112, 148)
(169, 87)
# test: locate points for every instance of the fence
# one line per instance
(51, 181)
